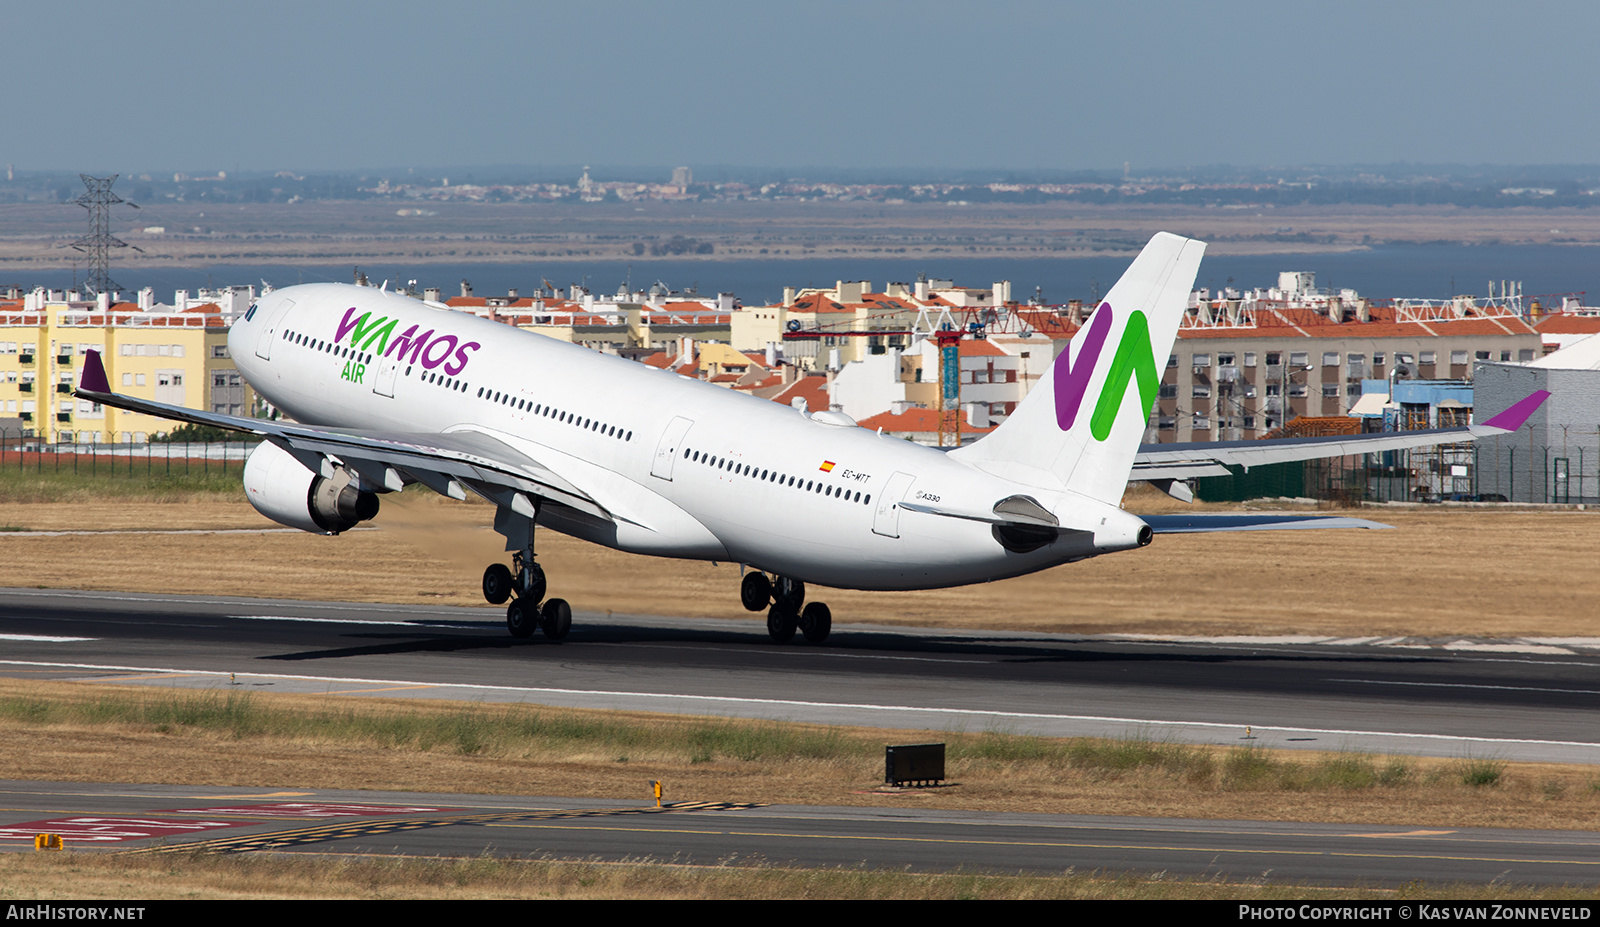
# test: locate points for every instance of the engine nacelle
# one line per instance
(281, 488)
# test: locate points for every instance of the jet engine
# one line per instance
(283, 489)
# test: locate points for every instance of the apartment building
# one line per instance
(1244, 366)
(167, 356)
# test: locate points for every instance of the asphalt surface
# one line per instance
(1500, 700)
(170, 819)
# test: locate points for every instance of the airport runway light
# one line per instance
(655, 787)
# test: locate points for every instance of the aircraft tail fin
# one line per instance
(1081, 426)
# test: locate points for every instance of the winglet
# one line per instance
(1512, 418)
(94, 379)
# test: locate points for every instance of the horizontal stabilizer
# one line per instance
(1513, 418)
(1199, 524)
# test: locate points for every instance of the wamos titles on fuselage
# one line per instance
(408, 346)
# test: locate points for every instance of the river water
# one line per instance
(1416, 271)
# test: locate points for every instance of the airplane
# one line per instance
(385, 391)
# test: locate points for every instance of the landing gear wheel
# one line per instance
(533, 583)
(521, 618)
(497, 583)
(816, 622)
(781, 624)
(790, 593)
(556, 619)
(755, 592)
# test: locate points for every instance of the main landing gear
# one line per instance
(524, 614)
(786, 615)
(525, 588)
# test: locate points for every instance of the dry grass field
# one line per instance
(225, 738)
(1478, 572)
(254, 877)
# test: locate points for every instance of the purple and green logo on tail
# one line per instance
(1134, 361)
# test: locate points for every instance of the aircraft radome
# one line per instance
(385, 390)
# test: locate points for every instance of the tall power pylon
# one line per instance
(99, 199)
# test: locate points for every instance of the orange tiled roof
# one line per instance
(1279, 322)
(775, 379)
(979, 347)
(816, 302)
(1562, 324)
(482, 302)
(916, 420)
(813, 389)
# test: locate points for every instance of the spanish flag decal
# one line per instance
(827, 466)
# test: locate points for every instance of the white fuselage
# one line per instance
(685, 468)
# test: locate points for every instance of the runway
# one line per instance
(169, 819)
(1526, 700)
(1522, 701)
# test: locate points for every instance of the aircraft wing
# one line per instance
(449, 463)
(1161, 462)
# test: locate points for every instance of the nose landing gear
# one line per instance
(786, 615)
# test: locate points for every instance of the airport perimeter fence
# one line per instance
(21, 452)
(1480, 472)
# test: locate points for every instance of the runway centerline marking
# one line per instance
(1467, 685)
(804, 704)
(802, 653)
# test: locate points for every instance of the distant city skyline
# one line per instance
(858, 86)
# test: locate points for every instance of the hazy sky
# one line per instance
(330, 85)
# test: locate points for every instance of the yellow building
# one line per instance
(173, 357)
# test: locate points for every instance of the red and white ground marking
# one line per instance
(308, 810)
(110, 830)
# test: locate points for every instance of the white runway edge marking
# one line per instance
(796, 703)
(46, 638)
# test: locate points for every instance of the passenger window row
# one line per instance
(565, 418)
(440, 379)
(326, 347)
(831, 490)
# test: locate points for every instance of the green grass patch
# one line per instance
(107, 478)
(471, 730)
(523, 732)
(1480, 773)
